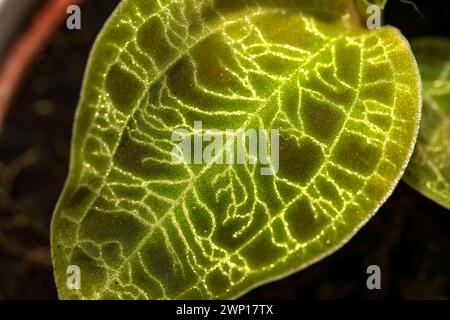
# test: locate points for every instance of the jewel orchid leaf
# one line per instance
(429, 169)
(343, 101)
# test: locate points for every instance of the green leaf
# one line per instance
(346, 102)
(429, 169)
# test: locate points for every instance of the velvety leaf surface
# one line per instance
(429, 170)
(345, 99)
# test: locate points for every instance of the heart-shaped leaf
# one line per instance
(429, 169)
(343, 102)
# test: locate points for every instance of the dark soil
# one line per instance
(409, 238)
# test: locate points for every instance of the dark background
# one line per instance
(409, 238)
